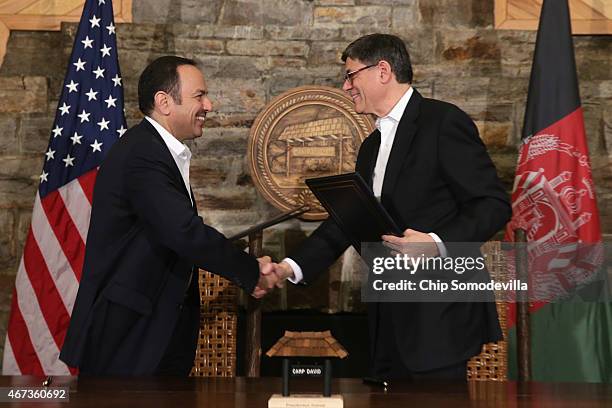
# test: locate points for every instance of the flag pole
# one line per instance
(523, 348)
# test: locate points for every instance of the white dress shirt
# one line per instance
(180, 152)
(387, 126)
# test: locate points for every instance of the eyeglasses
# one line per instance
(350, 75)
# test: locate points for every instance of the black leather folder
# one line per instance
(351, 203)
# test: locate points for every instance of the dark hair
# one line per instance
(160, 75)
(372, 48)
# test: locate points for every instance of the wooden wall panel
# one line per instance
(48, 15)
(588, 16)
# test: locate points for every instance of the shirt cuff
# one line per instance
(297, 271)
(439, 244)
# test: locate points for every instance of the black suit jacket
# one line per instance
(145, 239)
(439, 178)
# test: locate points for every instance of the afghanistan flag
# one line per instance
(553, 199)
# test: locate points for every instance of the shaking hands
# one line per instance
(271, 275)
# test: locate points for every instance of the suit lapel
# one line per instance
(406, 129)
(177, 173)
(195, 206)
(366, 167)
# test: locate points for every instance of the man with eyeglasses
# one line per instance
(431, 171)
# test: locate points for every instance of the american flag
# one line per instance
(89, 119)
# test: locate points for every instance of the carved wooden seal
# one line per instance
(310, 131)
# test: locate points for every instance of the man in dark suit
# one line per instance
(432, 173)
(137, 308)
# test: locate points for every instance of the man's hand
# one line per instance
(267, 277)
(283, 271)
(414, 243)
(271, 275)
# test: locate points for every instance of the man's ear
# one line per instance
(384, 72)
(162, 102)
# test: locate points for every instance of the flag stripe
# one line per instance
(65, 231)
(21, 342)
(78, 205)
(9, 364)
(54, 258)
(553, 83)
(46, 292)
(43, 342)
(87, 181)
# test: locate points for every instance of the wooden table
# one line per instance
(254, 392)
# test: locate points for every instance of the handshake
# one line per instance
(271, 275)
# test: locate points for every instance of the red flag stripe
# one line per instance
(55, 260)
(87, 182)
(40, 335)
(57, 290)
(46, 292)
(65, 231)
(18, 339)
(77, 205)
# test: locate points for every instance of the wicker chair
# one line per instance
(492, 363)
(216, 349)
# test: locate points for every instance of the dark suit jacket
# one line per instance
(440, 179)
(144, 239)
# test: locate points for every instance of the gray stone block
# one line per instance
(335, 2)
(33, 53)
(237, 95)
(180, 30)
(25, 168)
(369, 16)
(9, 142)
(593, 57)
(200, 46)
(35, 133)
(405, 17)
(7, 240)
(326, 53)
(456, 13)
(207, 172)
(263, 12)
(221, 143)
(21, 94)
(17, 192)
(231, 66)
(227, 199)
(170, 11)
(607, 129)
(593, 128)
(268, 47)
(247, 32)
(279, 32)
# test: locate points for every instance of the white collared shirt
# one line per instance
(180, 152)
(387, 126)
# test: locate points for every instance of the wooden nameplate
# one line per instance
(306, 401)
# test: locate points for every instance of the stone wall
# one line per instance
(253, 50)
